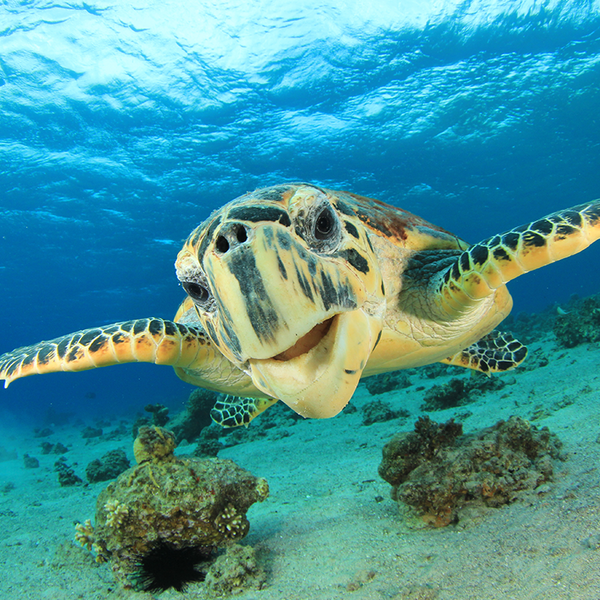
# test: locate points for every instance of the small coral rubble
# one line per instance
(438, 471)
(234, 571)
(387, 382)
(580, 324)
(461, 391)
(111, 465)
(66, 474)
(377, 411)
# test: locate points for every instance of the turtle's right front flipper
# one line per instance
(489, 265)
(151, 340)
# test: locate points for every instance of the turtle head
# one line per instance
(287, 286)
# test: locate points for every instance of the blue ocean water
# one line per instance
(123, 124)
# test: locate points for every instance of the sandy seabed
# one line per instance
(325, 533)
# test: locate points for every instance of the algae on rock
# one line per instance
(439, 471)
(234, 571)
(171, 502)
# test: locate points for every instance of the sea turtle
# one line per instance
(295, 292)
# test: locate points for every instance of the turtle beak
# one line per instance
(318, 375)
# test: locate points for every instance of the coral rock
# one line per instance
(438, 471)
(458, 392)
(30, 462)
(235, 571)
(66, 475)
(166, 501)
(111, 465)
(188, 424)
(153, 444)
(160, 414)
(388, 382)
(580, 324)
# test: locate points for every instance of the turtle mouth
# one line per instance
(318, 374)
(307, 342)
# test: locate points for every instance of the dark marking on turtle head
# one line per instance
(272, 194)
(343, 208)
(304, 284)
(354, 258)
(281, 267)
(259, 306)
(283, 239)
(351, 229)
(195, 236)
(455, 271)
(229, 335)
(377, 340)
(331, 295)
(255, 213)
(208, 237)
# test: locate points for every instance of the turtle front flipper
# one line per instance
(144, 340)
(494, 353)
(487, 266)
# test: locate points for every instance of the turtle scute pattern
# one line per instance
(494, 353)
(149, 340)
(503, 257)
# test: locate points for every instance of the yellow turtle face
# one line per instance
(287, 286)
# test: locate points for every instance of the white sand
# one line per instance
(322, 534)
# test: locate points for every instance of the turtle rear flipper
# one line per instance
(487, 266)
(494, 353)
(144, 340)
(232, 411)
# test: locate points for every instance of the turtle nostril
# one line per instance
(230, 237)
(222, 244)
(241, 234)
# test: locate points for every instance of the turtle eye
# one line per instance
(324, 225)
(198, 293)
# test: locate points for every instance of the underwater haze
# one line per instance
(124, 124)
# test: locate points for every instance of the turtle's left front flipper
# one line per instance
(151, 340)
(489, 265)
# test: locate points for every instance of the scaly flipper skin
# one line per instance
(151, 340)
(489, 265)
(495, 353)
(232, 411)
